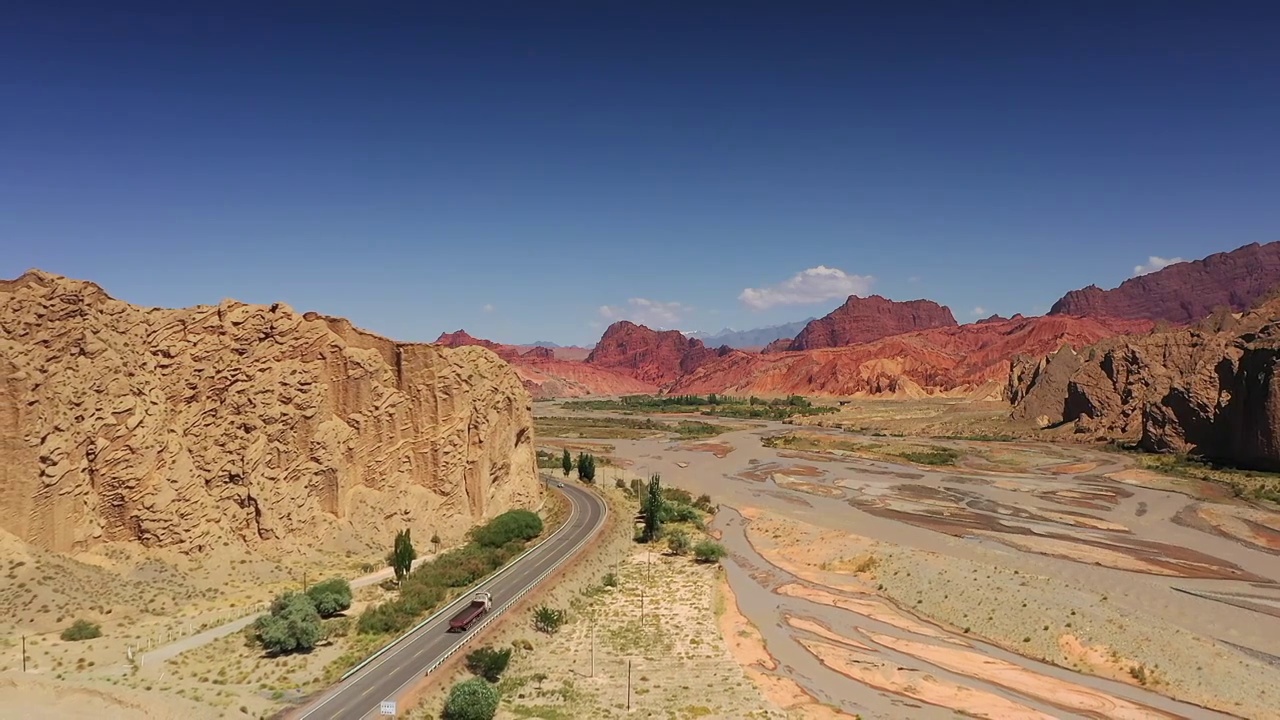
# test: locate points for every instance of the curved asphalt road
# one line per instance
(360, 695)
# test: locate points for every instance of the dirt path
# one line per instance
(153, 661)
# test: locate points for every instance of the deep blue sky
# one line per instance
(407, 166)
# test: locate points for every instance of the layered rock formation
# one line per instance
(243, 424)
(1185, 292)
(863, 320)
(971, 360)
(547, 375)
(1210, 389)
(650, 356)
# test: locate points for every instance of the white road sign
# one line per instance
(388, 707)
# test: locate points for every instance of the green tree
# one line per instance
(402, 555)
(678, 542)
(709, 551)
(587, 473)
(435, 541)
(548, 619)
(652, 509)
(331, 596)
(566, 462)
(472, 699)
(292, 626)
(81, 630)
(488, 663)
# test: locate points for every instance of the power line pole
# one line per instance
(593, 648)
(24, 653)
(628, 684)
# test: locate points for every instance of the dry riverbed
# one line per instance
(919, 577)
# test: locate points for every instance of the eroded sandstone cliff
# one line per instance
(243, 424)
(1210, 389)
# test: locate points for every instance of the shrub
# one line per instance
(620, 483)
(678, 542)
(488, 663)
(513, 525)
(709, 551)
(331, 596)
(548, 619)
(472, 699)
(610, 579)
(81, 630)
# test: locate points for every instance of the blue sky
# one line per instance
(534, 170)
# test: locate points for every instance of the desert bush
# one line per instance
(488, 663)
(548, 619)
(709, 551)
(610, 579)
(678, 542)
(81, 630)
(472, 699)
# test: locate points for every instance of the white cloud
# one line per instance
(650, 313)
(1155, 263)
(979, 311)
(488, 307)
(913, 279)
(806, 287)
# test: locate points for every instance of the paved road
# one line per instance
(383, 679)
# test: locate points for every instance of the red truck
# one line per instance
(468, 615)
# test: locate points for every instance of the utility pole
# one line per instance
(593, 648)
(628, 684)
(304, 580)
(24, 653)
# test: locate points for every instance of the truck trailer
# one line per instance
(467, 616)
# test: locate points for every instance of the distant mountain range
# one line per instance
(756, 338)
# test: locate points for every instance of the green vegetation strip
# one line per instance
(611, 427)
(750, 407)
(492, 545)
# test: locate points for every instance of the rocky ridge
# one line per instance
(1186, 292)
(650, 356)
(243, 424)
(863, 320)
(1210, 389)
(546, 374)
(970, 360)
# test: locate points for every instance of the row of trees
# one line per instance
(586, 466)
(423, 589)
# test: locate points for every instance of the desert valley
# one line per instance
(653, 361)
(1061, 516)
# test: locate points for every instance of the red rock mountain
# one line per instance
(862, 320)
(651, 356)
(547, 376)
(967, 359)
(1211, 390)
(1185, 292)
